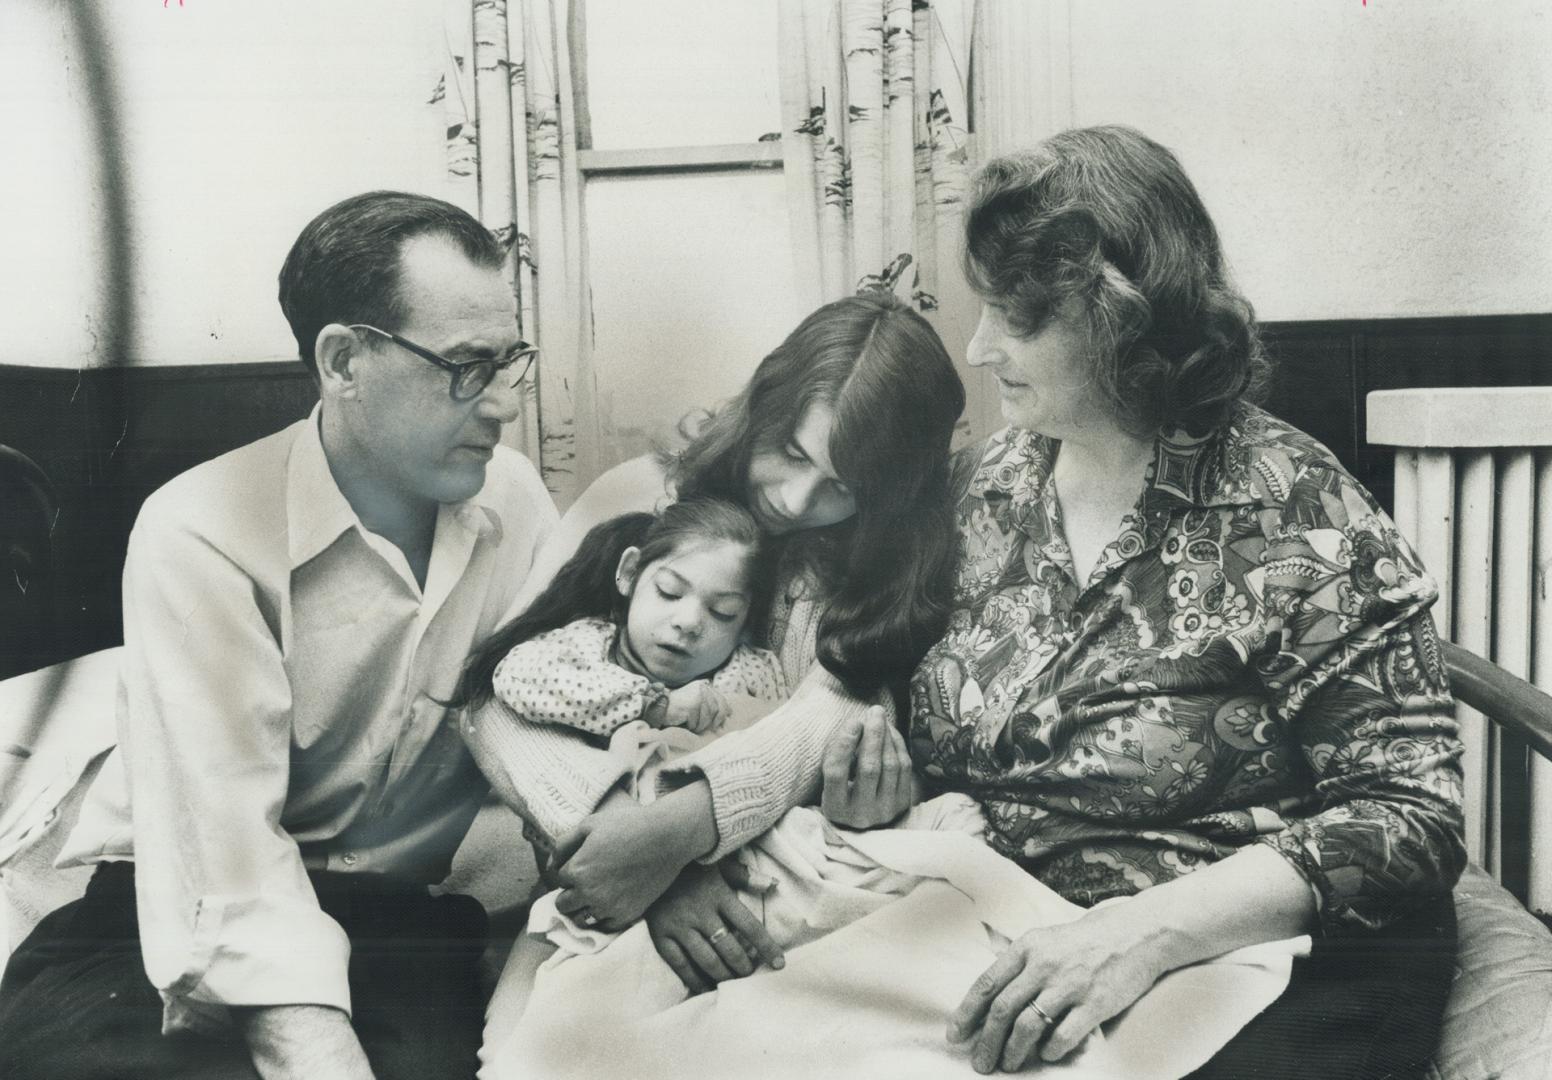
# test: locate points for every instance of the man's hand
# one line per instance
(302, 1042)
(867, 773)
(696, 706)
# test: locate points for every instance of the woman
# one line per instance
(839, 446)
(1190, 661)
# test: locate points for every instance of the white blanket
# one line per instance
(884, 932)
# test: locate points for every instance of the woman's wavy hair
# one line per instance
(886, 573)
(585, 587)
(1107, 216)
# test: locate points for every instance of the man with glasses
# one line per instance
(294, 613)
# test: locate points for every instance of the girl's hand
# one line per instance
(623, 855)
(1053, 986)
(696, 706)
(704, 932)
(868, 779)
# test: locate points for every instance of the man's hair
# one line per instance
(344, 267)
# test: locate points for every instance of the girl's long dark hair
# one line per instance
(584, 588)
(886, 573)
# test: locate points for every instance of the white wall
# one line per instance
(681, 72)
(1388, 158)
(241, 121)
(691, 273)
(685, 302)
(1381, 159)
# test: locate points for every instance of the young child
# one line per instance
(645, 622)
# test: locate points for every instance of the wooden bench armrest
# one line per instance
(1507, 700)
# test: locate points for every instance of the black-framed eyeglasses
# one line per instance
(470, 377)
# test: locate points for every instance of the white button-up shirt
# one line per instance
(278, 712)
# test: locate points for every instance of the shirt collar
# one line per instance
(1205, 471)
(1215, 469)
(318, 512)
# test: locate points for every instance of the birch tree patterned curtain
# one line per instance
(875, 143)
(511, 160)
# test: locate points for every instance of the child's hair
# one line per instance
(585, 586)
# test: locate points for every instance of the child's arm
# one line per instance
(697, 706)
(565, 678)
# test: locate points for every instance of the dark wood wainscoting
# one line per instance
(108, 438)
(1325, 371)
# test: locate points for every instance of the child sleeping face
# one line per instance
(687, 610)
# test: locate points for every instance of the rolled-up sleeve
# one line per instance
(227, 913)
(1359, 679)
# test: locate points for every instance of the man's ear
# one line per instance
(625, 573)
(338, 351)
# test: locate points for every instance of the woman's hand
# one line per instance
(867, 773)
(1082, 973)
(704, 932)
(623, 856)
(1054, 985)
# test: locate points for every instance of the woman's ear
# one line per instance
(336, 351)
(625, 573)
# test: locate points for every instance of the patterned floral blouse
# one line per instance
(1251, 661)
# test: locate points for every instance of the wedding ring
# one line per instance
(718, 936)
(1050, 1021)
(587, 919)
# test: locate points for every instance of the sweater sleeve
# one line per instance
(758, 774)
(565, 678)
(550, 776)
